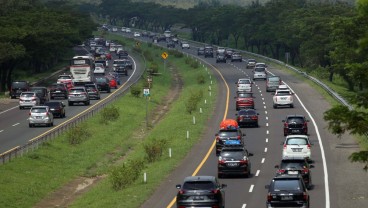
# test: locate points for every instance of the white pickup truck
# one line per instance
(283, 98)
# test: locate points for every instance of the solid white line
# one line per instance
(257, 173)
(15, 124)
(263, 160)
(251, 188)
(244, 205)
(265, 149)
(9, 109)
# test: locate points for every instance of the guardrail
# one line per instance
(56, 131)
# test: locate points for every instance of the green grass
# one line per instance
(27, 180)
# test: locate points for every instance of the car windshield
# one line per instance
(297, 141)
(247, 112)
(280, 185)
(245, 95)
(232, 154)
(252, 60)
(27, 94)
(38, 110)
(295, 120)
(292, 165)
(228, 134)
(198, 185)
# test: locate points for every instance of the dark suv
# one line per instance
(103, 84)
(58, 90)
(200, 191)
(296, 166)
(42, 93)
(208, 52)
(287, 191)
(221, 58)
(17, 87)
(228, 134)
(234, 160)
(295, 124)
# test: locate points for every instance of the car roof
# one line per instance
(200, 178)
(295, 115)
(297, 136)
(286, 176)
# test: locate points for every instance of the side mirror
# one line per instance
(257, 114)
(244, 134)
(277, 166)
(178, 186)
(236, 114)
(235, 97)
(307, 120)
(216, 134)
(223, 185)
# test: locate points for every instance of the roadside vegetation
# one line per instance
(116, 145)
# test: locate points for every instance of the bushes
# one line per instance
(153, 68)
(123, 176)
(193, 100)
(154, 149)
(78, 134)
(192, 62)
(200, 79)
(109, 114)
(135, 90)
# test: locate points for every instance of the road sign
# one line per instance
(138, 44)
(164, 55)
(146, 92)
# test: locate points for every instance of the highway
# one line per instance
(14, 130)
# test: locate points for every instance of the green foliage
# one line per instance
(148, 55)
(194, 64)
(109, 114)
(362, 157)
(122, 176)
(78, 134)
(176, 54)
(154, 149)
(153, 68)
(135, 90)
(201, 79)
(193, 100)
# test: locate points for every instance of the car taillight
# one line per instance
(269, 197)
(238, 137)
(284, 146)
(215, 206)
(181, 191)
(305, 196)
(286, 125)
(305, 171)
(243, 162)
(221, 161)
(29, 113)
(215, 191)
(217, 139)
(281, 171)
(254, 118)
(308, 146)
(47, 113)
(305, 124)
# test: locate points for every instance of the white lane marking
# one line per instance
(266, 140)
(16, 124)
(263, 98)
(266, 124)
(261, 95)
(251, 188)
(264, 103)
(264, 107)
(266, 117)
(257, 173)
(265, 149)
(9, 109)
(263, 159)
(267, 132)
(244, 205)
(265, 112)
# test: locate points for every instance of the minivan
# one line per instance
(42, 93)
(272, 83)
(17, 87)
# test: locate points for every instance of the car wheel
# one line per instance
(291, 106)
(219, 175)
(86, 103)
(285, 134)
(64, 115)
(52, 124)
(274, 106)
(257, 125)
(30, 125)
(20, 107)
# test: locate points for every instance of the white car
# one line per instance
(99, 70)
(28, 99)
(261, 65)
(40, 115)
(259, 73)
(244, 85)
(296, 146)
(137, 34)
(283, 87)
(185, 45)
(128, 30)
(123, 29)
(114, 29)
(283, 98)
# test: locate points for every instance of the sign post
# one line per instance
(146, 93)
(164, 56)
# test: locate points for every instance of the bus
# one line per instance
(81, 67)
(167, 34)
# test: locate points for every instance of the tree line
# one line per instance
(35, 36)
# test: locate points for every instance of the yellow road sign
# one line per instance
(164, 55)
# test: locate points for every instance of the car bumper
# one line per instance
(240, 170)
(296, 131)
(289, 155)
(248, 122)
(259, 77)
(27, 104)
(75, 99)
(40, 121)
(203, 204)
(287, 204)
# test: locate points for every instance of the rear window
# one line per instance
(38, 110)
(274, 79)
(259, 69)
(199, 185)
(76, 90)
(244, 81)
(295, 120)
(100, 80)
(283, 93)
(297, 141)
(232, 154)
(27, 94)
(247, 112)
(19, 85)
(280, 185)
(245, 95)
(52, 104)
(228, 134)
(292, 165)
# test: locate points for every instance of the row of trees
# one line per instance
(35, 37)
(330, 38)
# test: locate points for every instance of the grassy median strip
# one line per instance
(27, 180)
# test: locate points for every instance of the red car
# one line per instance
(244, 100)
(112, 82)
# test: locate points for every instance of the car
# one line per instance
(236, 56)
(121, 69)
(64, 78)
(295, 124)
(42, 93)
(283, 87)
(122, 54)
(99, 70)
(114, 29)
(220, 58)
(234, 160)
(200, 51)
(93, 91)
(200, 191)
(104, 62)
(17, 87)
(220, 50)
(295, 166)
(251, 63)
(287, 191)
(185, 45)
(78, 95)
(247, 117)
(40, 115)
(175, 40)
(244, 85)
(259, 73)
(244, 100)
(103, 84)
(227, 134)
(208, 51)
(137, 34)
(170, 44)
(122, 62)
(28, 99)
(283, 98)
(296, 146)
(262, 65)
(57, 108)
(272, 83)
(58, 90)
(128, 30)
(229, 53)
(123, 29)
(112, 82)
(115, 76)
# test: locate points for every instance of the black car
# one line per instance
(295, 124)
(17, 87)
(287, 191)
(200, 191)
(200, 51)
(228, 134)
(208, 52)
(229, 53)
(247, 117)
(122, 54)
(221, 58)
(129, 64)
(234, 160)
(42, 93)
(122, 69)
(103, 84)
(57, 108)
(58, 90)
(93, 91)
(296, 166)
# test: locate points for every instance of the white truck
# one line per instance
(283, 98)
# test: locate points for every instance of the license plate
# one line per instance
(293, 172)
(283, 98)
(232, 164)
(27, 101)
(286, 198)
(296, 149)
(38, 117)
(295, 131)
(57, 91)
(198, 198)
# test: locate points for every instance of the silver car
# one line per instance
(259, 73)
(40, 115)
(28, 99)
(78, 95)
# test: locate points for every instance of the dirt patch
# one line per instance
(65, 195)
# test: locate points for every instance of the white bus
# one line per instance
(81, 67)
(167, 34)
